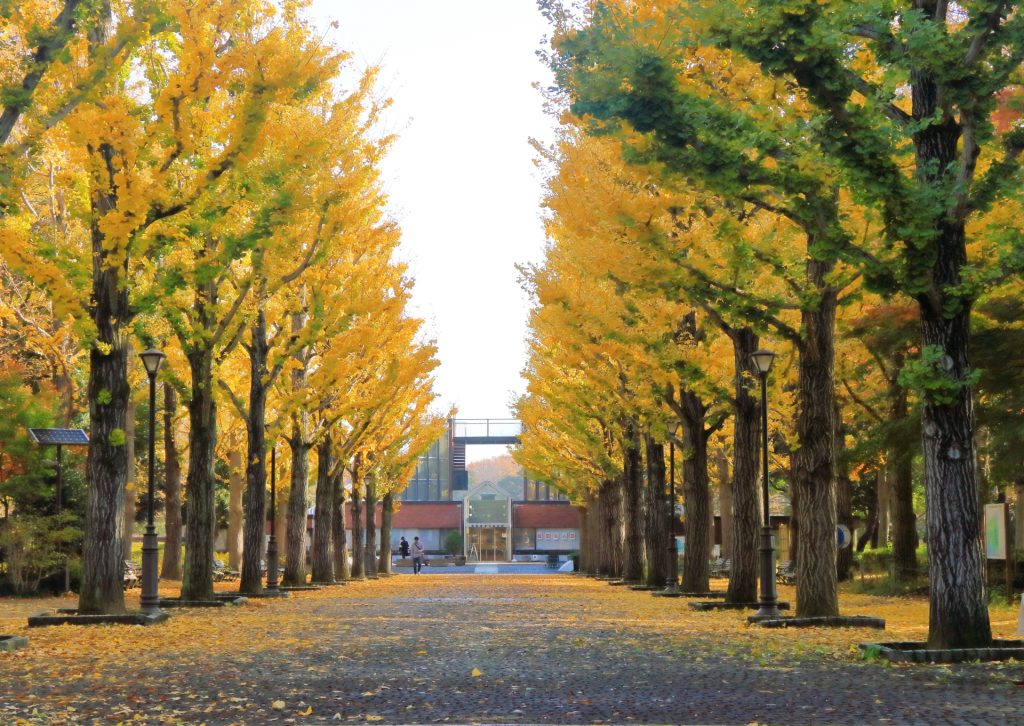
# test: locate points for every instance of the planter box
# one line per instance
(917, 652)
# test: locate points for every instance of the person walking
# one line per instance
(417, 555)
(403, 548)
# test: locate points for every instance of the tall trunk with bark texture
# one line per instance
(945, 153)
(387, 510)
(904, 521)
(745, 471)
(844, 511)
(884, 499)
(170, 568)
(200, 513)
(632, 506)
(871, 523)
(107, 465)
(656, 537)
(254, 501)
(611, 528)
(130, 486)
(817, 591)
(235, 520)
(586, 556)
(696, 494)
(295, 560)
(358, 572)
(725, 503)
(370, 553)
(342, 570)
(323, 515)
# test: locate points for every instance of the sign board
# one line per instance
(843, 536)
(995, 531)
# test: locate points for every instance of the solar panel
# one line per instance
(65, 437)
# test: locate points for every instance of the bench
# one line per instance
(721, 567)
(131, 575)
(221, 573)
(785, 573)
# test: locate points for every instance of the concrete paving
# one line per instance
(440, 648)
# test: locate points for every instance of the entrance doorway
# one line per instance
(490, 542)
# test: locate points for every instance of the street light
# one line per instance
(272, 540)
(769, 609)
(672, 586)
(150, 599)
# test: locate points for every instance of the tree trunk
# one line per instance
(200, 513)
(844, 512)
(295, 533)
(746, 452)
(884, 506)
(357, 526)
(871, 524)
(171, 566)
(611, 527)
(370, 553)
(342, 571)
(281, 525)
(696, 494)
(323, 516)
(107, 465)
(958, 608)
(236, 487)
(725, 503)
(130, 485)
(813, 462)
(904, 521)
(386, 514)
(254, 500)
(632, 506)
(656, 535)
(1018, 515)
(586, 557)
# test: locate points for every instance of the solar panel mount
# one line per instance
(59, 437)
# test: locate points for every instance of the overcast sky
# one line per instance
(461, 178)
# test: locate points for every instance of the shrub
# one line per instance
(453, 543)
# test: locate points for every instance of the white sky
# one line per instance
(461, 178)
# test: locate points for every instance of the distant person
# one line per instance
(417, 555)
(403, 548)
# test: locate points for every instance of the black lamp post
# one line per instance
(272, 540)
(150, 599)
(769, 609)
(672, 586)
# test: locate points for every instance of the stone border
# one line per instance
(133, 618)
(838, 621)
(646, 588)
(708, 606)
(265, 594)
(617, 583)
(10, 643)
(918, 652)
(220, 600)
(301, 588)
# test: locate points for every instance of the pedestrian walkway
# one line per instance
(483, 649)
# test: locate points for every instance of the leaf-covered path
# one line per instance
(486, 648)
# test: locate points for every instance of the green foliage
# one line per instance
(453, 543)
(118, 437)
(33, 547)
(929, 376)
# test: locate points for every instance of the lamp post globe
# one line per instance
(150, 598)
(768, 602)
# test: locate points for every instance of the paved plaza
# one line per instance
(478, 648)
